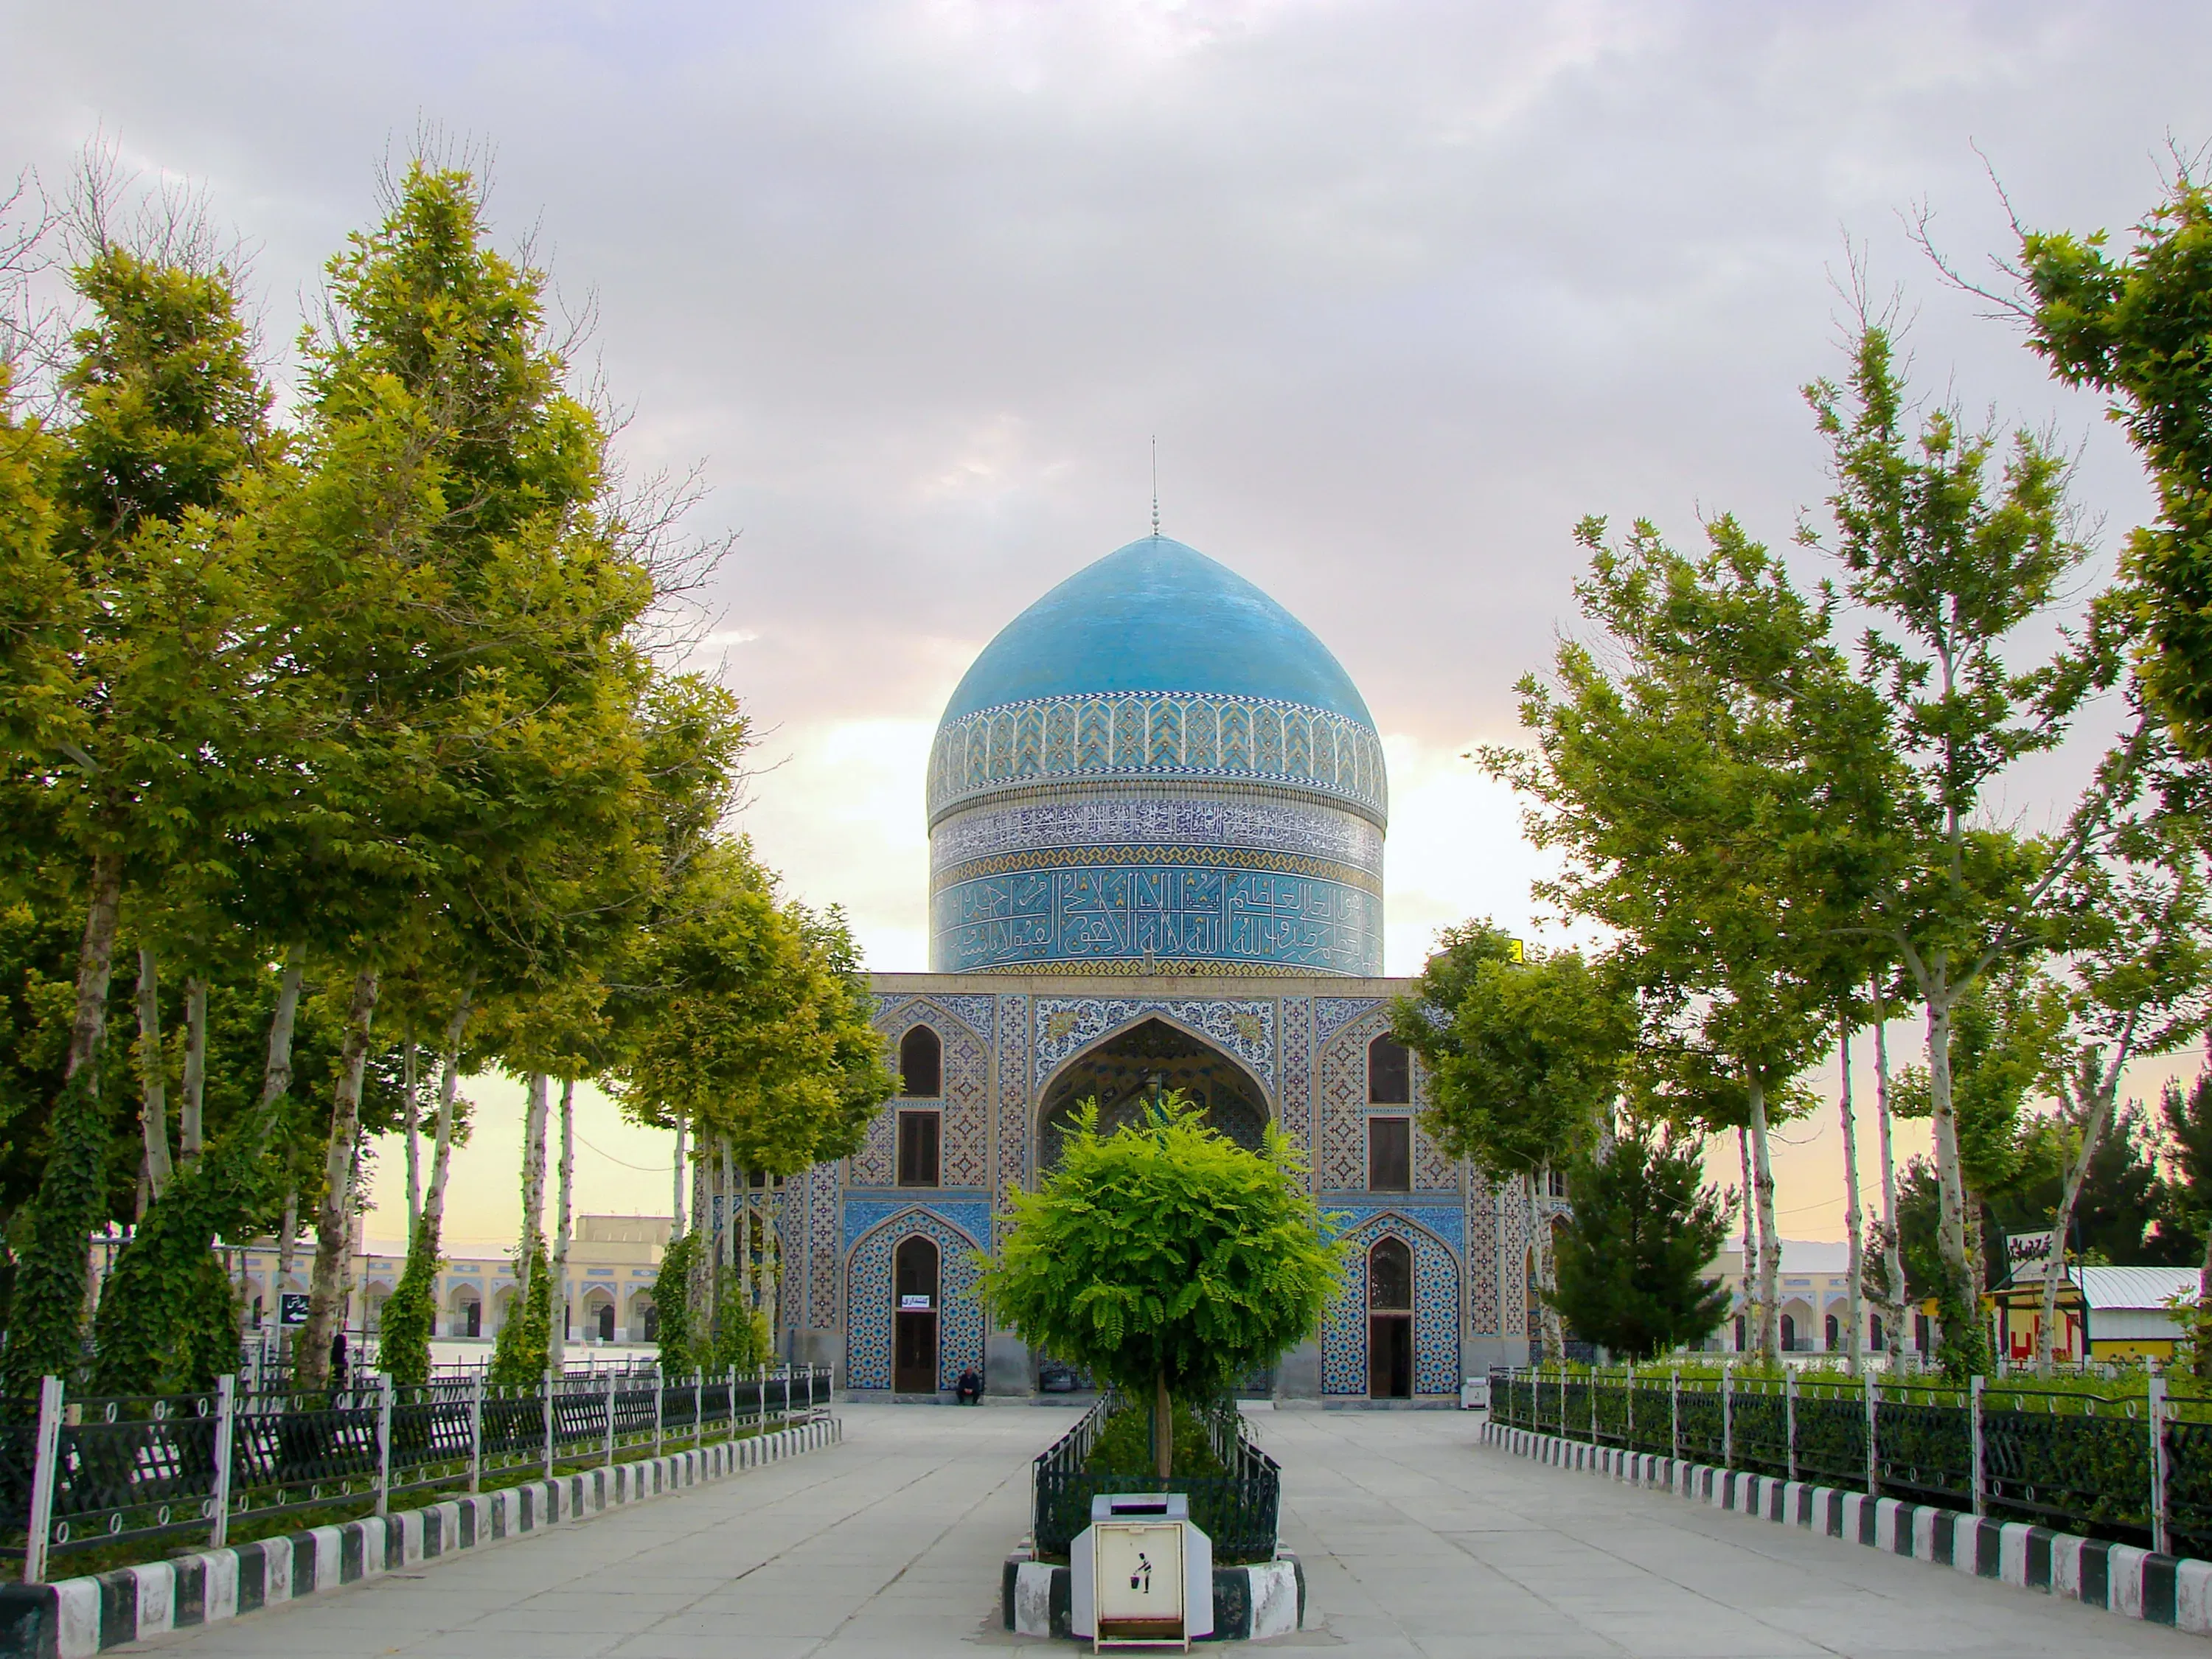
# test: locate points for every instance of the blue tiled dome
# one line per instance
(1156, 615)
(1157, 767)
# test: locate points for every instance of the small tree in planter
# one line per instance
(1165, 1258)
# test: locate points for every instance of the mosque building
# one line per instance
(1157, 808)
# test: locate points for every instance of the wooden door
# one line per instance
(913, 1319)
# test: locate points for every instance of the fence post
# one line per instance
(658, 1383)
(1974, 1387)
(733, 1405)
(42, 1480)
(226, 1422)
(1674, 1414)
(476, 1433)
(1790, 1416)
(610, 1417)
(2159, 1540)
(1727, 1416)
(1873, 1465)
(384, 1442)
(548, 1389)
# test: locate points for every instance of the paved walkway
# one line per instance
(1416, 1541)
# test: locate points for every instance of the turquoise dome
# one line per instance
(1156, 615)
(1156, 769)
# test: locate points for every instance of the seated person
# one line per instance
(970, 1388)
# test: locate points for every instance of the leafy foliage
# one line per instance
(410, 1313)
(519, 1353)
(46, 1329)
(671, 1300)
(1632, 1257)
(2138, 326)
(1525, 1057)
(1164, 1255)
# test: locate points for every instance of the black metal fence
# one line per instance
(2134, 1468)
(1237, 1512)
(91, 1471)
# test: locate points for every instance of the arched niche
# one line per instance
(1126, 1071)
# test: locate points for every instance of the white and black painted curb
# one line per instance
(2136, 1583)
(1250, 1604)
(75, 1617)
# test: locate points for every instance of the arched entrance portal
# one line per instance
(914, 1340)
(1126, 1072)
(1390, 1320)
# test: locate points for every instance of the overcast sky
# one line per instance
(1402, 290)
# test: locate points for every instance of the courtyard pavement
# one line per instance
(1417, 1541)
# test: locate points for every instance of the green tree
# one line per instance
(1525, 1052)
(2143, 986)
(1953, 563)
(2185, 1115)
(1697, 776)
(1633, 1256)
(1165, 1258)
(2139, 327)
(458, 553)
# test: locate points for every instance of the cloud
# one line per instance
(1403, 290)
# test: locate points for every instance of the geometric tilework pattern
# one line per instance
(1013, 1097)
(1176, 818)
(1436, 1305)
(1295, 1114)
(1341, 1093)
(868, 1301)
(876, 1165)
(822, 1247)
(964, 1143)
(1114, 910)
(1066, 1025)
(1255, 740)
(1331, 1013)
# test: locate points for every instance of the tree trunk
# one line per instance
(1539, 1242)
(334, 1211)
(2204, 1354)
(1892, 1239)
(699, 1283)
(2094, 1119)
(287, 1243)
(153, 1084)
(534, 1187)
(95, 962)
(1750, 1239)
(729, 1254)
(565, 1188)
(676, 1198)
(411, 1081)
(771, 1295)
(442, 1133)
(1162, 1430)
(1769, 1243)
(1853, 1220)
(191, 1127)
(277, 1070)
(1959, 1300)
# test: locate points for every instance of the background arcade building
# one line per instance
(1156, 806)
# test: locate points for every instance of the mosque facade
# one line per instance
(1157, 807)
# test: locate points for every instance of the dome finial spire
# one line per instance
(1156, 484)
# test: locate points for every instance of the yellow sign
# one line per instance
(1514, 950)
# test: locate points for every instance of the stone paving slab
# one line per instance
(1416, 1540)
